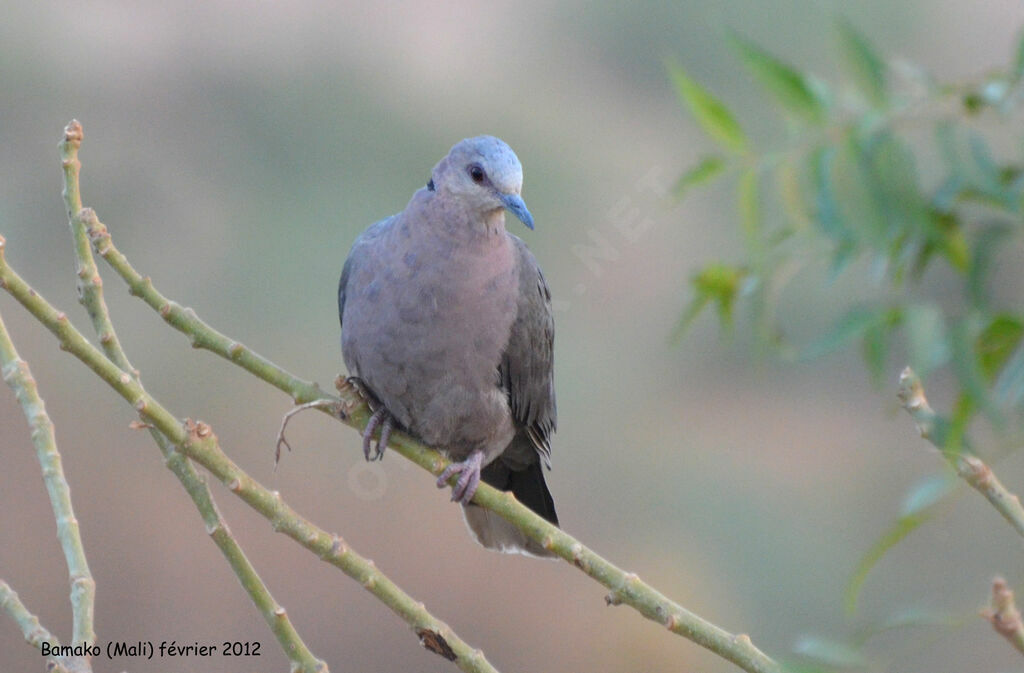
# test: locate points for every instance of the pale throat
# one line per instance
(494, 222)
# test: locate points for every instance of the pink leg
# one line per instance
(469, 477)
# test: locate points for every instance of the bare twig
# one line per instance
(315, 404)
(90, 292)
(625, 587)
(83, 588)
(970, 468)
(197, 441)
(1003, 614)
(34, 632)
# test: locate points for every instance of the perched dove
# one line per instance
(447, 326)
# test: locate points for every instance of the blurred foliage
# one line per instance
(891, 174)
(849, 188)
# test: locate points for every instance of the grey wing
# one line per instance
(342, 284)
(526, 372)
(364, 239)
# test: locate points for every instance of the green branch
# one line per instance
(17, 375)
(35, 633)
(90, 292)
(197, 441)
(625, 587)
(970, 468)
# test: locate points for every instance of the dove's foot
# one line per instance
(469, 477)
(361, 388)
(386, 421)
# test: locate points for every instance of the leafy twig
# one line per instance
(197, 441)
(970, 468)
(90, 291)
(1004, 615)
(350, 408)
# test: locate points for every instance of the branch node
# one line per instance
(1003, 614)
(73, 134)
(433, 641)
(976, 472)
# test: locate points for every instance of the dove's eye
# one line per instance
(476, 173)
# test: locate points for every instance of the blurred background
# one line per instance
(235, 150)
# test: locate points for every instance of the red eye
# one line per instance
(477, 173)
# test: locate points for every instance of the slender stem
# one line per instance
(35, 633)
(971, 469)
(17, 375)
(197, 441)
(350, 408)
(90, 291)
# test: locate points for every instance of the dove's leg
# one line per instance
(469, 477)
(386, 422)
(381, 417)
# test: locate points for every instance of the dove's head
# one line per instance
(485, 174)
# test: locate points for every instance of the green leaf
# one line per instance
(791, 193)
(1018, 61)
(987, 243)
(966, 366)
(748, 199)
(710, 113)
(826, 207)
(911, 617)
(718, 283)
(847, 329)
(875, 346)
(927, 493)
(918, 506)
(792, 89)
(997, 342)
(829, 652)
(693, 309)
(706, 169)
(1009, 387)
(927, 338)
(864, 64)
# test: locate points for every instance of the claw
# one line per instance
(469, 477)
(382, 418)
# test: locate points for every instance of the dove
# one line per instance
(447, 328)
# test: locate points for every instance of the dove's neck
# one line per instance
(494, 223)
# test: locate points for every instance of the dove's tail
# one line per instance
(528, 486)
